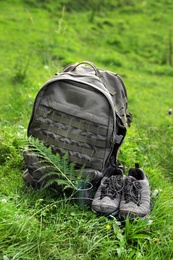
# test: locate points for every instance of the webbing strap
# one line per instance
(107, 85)
(82, 161)
(68, 146)
(118, 107)
(123, 120)
(74, 122)
(120, 104)
(68, 134)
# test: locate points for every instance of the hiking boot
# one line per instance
(135, 201)
(114, 171)
(107, 198)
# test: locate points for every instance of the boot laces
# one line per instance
(112, 187)
(132, 191)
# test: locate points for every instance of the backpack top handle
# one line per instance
(97, 73)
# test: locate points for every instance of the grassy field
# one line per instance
(132, 38)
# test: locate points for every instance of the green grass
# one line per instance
(131, 38)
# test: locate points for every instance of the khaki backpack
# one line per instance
(81, 111)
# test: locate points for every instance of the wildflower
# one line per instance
(156, 240)
(108, 226)
(155, 193)
(139, 255)
(3, 200)
(150, 221)
(46, 67)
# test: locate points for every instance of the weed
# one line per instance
(56, 169)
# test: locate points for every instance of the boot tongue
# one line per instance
(131, 178)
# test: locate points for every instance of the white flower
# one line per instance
(155, 193)
(150, 221)
(139, 255)
(3, 200)
(46, 67)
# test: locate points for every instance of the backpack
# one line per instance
(81, 111)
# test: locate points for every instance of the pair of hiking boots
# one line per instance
(125, 196)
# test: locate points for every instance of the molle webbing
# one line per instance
(68, 146)
(84, 152)
(70, 135)
(86, 142)
(89, 164)
(74, 122)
